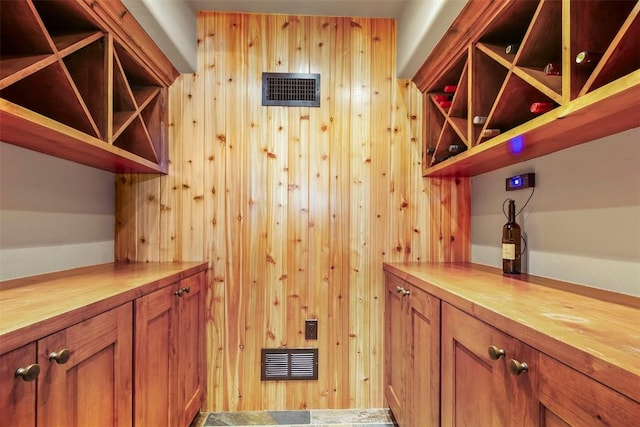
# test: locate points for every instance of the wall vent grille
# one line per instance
(291, 89)
(289, 364)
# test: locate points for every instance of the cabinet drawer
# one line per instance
(569, 397)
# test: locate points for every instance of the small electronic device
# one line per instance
(518, 182)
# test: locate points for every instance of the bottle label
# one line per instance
(509, 251)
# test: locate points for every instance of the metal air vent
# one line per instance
(289, 364)
(291, 89)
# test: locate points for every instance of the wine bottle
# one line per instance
(450, 88)
(512, 48)
(588, 58)
(445, 104)
(479, 120)
(489, 133)
(541, 107)
(431, 150)
(457, 148)
(553, 69)
(511, 244)
(440, 98)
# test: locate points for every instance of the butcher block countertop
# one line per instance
(595, 332)
(36, 306)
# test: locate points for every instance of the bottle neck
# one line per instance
(512, 211)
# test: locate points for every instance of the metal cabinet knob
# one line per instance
(402, 291)
(496, 353)
(29, 373)
(182, 291)
(60, 357)
(517, 368)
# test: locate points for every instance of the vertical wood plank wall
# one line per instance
(295, 209)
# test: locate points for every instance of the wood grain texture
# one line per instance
(96, 380)
(117, 19)
(300, 206)
(27, 312)
(595, 337)
(17, 397)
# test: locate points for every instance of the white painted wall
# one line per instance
(583, 221)
(421, 25)
(54, 214)
(172, 25)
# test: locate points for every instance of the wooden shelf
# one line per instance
(69, 68)
(589, 101)
(566, 126)
(39, 133)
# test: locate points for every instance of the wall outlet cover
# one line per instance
(311, 329)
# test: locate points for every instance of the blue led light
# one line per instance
(517, 182)
(516, 144)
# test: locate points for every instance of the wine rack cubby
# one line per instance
(505, 56)
(73, 86)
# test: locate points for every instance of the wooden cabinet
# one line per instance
(569, 398)
(412, 362)
(477, 388)
(18, 394)
(84, 379)
(396, 354)
(491, 378)
(86, 372)
(73, 84)
(423, 377)
(191, 349)
(169, 349)
(495, 63)
(118, 337)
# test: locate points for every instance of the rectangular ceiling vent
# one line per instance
(289, 364)
(291, 89)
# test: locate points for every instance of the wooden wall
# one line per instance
(295, 209)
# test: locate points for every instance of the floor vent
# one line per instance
(289, 364)
(291, 89)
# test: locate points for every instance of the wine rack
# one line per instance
(72, 86)
(502, 51)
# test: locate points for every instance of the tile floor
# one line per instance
(326, 418)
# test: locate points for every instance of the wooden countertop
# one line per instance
(36, 306)
(600, 338)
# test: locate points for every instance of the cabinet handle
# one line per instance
(182, 291)
(496, 353)
(30, 373)
(60, 357)
(517, 368)
(402, 291)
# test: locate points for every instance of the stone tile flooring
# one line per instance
(320, 417)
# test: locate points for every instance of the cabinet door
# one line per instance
(191, 367)
(488, 377)
(18, 395)
(474, 390)
(570, 398)
(155, 358)
(86, 373)
(396, 319)
(424, 359)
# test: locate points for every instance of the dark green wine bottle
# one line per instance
(511, 243)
